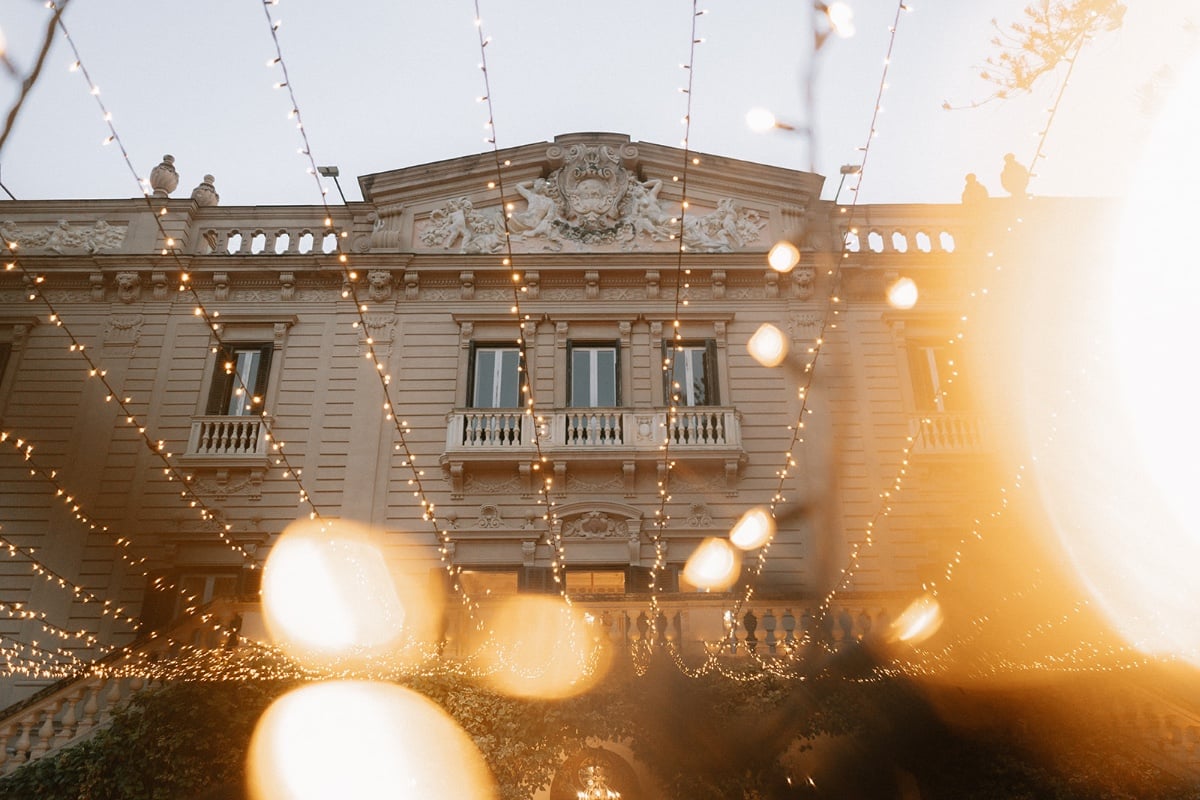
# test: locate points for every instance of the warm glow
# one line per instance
(768, 346)
(783, 256)
(327, 593)
(714, 565)
(541, 647)
(365, 741)
(1117, 435)
(753, 530)
(902, 293)
(841, 19)
(919, 621)
(760, 120)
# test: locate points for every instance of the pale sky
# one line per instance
(383, 85)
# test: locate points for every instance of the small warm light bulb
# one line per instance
(919, 621)
(783, 256)
(760, 120)
(753, 530)
(902, 293)
(768, 346)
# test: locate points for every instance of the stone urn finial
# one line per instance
(206, 194)
(164, 178)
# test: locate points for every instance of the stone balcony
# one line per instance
(948, 435)
(562, 436)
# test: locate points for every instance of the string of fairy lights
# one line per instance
(349, 291)
(186, 285)
(784, 257)
(682, 277)
(797, 437)
(545, 497)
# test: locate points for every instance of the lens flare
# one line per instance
(327, 594)
(783, 256)
(760, 120)
(768, 346)
(541, 647)
(362, 740)
(902, 293)
(753, 530)
(714, 565)
(918, 622)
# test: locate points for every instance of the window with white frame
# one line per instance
(495, 377)
(690, 373)
(594, 369)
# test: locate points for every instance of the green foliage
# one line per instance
(167, 744)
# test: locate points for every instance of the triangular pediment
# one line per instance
(588, 192)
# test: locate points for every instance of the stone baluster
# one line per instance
(90, 707)
(769, 623)
(5, 734)
(69, 719)
(45, 732)
(788, 621)
(750, 623)
(111, 698)
(21, 754)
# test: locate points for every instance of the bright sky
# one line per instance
(383, 85)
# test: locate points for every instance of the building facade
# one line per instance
(507, 366)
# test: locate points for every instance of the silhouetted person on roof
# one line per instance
(1014, 178)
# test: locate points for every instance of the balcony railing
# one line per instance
(949, 434)
(219, 437)
(500, 430)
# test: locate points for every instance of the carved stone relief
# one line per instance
(591, 199)
(123, 329)
(64, 237)
(379, 285)
(596, 525)
(129, 287)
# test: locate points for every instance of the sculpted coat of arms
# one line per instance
(591, 199)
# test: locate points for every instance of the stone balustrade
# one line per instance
(223, 437)
(499, 430)
(949, 434)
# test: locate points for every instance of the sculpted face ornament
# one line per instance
(129, 287)
(379, 283)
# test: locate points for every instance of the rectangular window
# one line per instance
(495, 378)
(595, 581)
(690, 373)
(479, 584)
(239, 382)
(593, 375)
(938, 385)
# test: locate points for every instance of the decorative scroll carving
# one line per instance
(699, 516)
(158, 280)
(380, 327)
(490, 517)
(64, 237)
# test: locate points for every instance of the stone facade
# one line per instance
(593, 234)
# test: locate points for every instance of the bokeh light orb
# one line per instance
(902, 293)
(783, 256)
(754, 529)
(760, 120)
(540, 647)
(362, 740)
(327, 594)
(918, 622)
(768, 346)
(714, 565)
